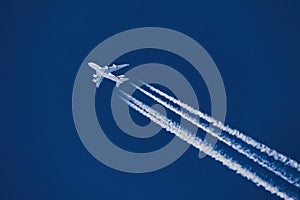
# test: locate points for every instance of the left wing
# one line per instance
(97, 79)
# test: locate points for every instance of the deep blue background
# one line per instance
(255, 45)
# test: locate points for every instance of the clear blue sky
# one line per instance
(255, 45)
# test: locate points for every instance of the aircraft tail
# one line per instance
(122, 80)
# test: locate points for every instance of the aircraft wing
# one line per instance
(114, 68)
(99, 81)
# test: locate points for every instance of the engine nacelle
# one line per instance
(95, 80)
(95, 76)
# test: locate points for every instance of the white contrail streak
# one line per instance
(263, 148)
(197, 142)
(225, 139)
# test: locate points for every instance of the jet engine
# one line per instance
(95, 80)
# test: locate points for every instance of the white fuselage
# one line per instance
(111, 77)
(105, 72)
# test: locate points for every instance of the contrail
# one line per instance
(225, 139)
(263, 148)
(197, 142)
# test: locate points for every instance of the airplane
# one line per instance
(106, 73)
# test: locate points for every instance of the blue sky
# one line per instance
(254, 44)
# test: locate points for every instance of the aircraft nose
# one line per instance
(92, 65)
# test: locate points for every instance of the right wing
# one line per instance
(114, 68)
(98, 81)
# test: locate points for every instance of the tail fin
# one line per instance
(122, 80)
